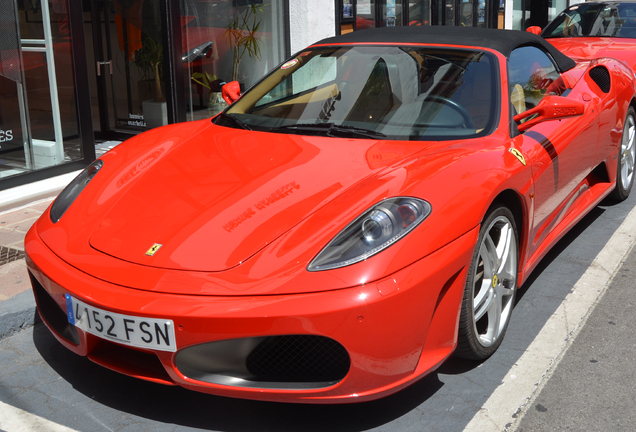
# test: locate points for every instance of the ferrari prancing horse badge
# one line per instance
(518, 155)
(153, 250)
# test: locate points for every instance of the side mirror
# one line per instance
(231, 91)
(534, 30)
(550, 108)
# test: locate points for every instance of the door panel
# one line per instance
(560, 161)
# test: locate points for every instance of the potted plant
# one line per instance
(216, 104)
(241, 32)
(149, 60)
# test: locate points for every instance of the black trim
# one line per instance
(173, 67)
(82, 87)
(492, 13)
(339, 9)
(287, 29)
(405, 13)
(98, 54)
(434, 13)
(457, 12)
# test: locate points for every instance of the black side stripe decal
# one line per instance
(549, 148)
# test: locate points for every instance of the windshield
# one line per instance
(377, 92)
(583, 20)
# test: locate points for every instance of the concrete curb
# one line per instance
(17, 313)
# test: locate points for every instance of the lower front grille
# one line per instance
(282, 362)
(292, 358)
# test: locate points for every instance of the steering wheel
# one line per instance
(468, 120)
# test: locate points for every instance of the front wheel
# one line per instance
(490, 287)
(626, 158)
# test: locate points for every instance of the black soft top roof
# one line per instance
(503, 41)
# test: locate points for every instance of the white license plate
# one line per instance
(149, 333)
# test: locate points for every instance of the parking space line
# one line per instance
(523, 382)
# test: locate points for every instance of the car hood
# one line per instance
(220, 197)
(597, 47)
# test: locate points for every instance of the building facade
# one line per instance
(74, 74)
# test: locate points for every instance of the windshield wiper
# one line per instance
(331, 129)
(234, 120)
(355, 131)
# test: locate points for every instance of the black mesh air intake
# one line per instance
(601, 77)
(298, 358)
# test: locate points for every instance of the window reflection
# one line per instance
(227, 41)
(420, 12)
(392, 13)
(466, 13)
(365, 18)
(38, 117)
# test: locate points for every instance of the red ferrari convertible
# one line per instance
(367, 209)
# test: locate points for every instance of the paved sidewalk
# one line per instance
(592, 387)
(17, 306)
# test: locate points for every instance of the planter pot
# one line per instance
(155, 113)
(216, 103)
(146, 91)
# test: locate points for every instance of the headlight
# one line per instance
(70, 192)
(377, 229)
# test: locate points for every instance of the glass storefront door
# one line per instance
(125, 48)
(38, 115)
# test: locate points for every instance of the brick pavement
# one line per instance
(14, 225)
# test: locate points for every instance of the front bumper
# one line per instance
(392, 331)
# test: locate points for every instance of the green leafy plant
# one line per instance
(204, 78)
(149, 60)
(241, 32)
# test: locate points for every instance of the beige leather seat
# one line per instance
(518, 98)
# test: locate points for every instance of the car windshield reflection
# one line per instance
(375, 92)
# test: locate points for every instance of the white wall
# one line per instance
(310, 21)
(508, 14)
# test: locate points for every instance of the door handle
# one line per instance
(99, 67)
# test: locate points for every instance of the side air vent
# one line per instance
(282, 362)
(600, 75)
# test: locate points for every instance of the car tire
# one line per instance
(626, 158)
(490, 286)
